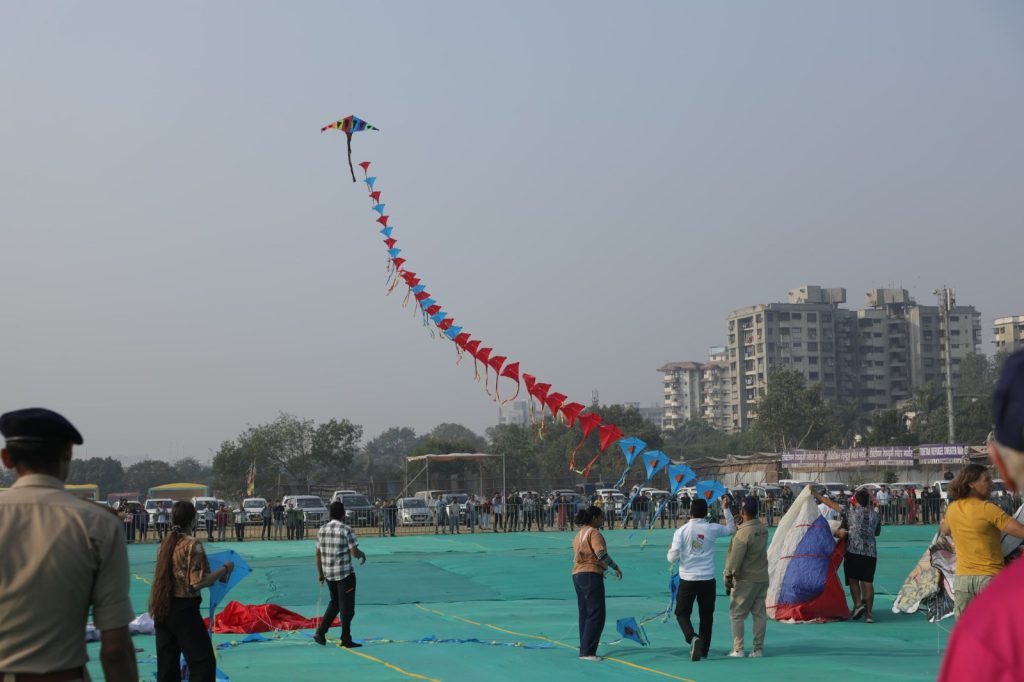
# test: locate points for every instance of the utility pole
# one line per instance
(946, 302)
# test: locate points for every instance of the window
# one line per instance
(798, 316)
(812, 317)
(827, 347)
(812, 359)
(826, 317)
(812, 333)
(760, 348)
(784, 317)
(812, 376)
(812, 346)
(798, 344)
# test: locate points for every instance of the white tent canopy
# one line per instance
(479, 457)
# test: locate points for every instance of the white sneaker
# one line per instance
(591, 658)
(757, 653)
(737, 653)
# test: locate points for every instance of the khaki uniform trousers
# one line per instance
(748, 598)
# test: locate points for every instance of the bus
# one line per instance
(179, 491)
(87, 491)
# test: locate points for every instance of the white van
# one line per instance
(313, 510)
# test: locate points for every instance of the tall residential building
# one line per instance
(878, 354)
(517, 412)
(715, 388)
(803, 334)
(682, 382)
(1009, 333)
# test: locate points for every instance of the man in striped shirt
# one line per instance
(336, 544)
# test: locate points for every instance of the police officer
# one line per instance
(61, 555)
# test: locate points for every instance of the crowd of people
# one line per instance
(65, 558)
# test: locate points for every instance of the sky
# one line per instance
(589, 187)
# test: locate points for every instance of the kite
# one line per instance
(654, 461)
(631, 447)
(219, 589)
(434, 316)
(802, 562)
(630, 629)
(349, 125)
(678, 476)
(710, 491)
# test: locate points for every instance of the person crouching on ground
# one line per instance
(746, 578)
(590, 553)
(693, 546)
(986, 641)
(181, 571)
(336, 544)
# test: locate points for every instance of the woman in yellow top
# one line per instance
(181, 571)
(977, 526)
(590, 560)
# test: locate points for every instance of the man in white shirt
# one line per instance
(693, 546)
(882, 498)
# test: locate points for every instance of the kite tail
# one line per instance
(487, 379)
(650, 527)
(622, 478)
(514, 395)
(348, 136)
(586, 469)
(572, 457)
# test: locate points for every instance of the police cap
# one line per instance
(37, 424)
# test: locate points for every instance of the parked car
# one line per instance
(834, 489)
(612, 498)
(412, 511)
(429, 496)
(337, 495)
(314, 513)
(943, 488)
(359, 511)
(151, 508)
(206, 507)
(253, 508)
(762, 491)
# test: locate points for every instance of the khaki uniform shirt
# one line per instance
(748, 552)
(59, 555)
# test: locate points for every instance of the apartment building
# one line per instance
(1009, 333)
(715, 388)
(879, 354)
(804, 334)
(682, 384)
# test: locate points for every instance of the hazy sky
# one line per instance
(590, 187)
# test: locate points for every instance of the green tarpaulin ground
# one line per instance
(515, 589)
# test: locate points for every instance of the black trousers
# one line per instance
(590, 600)
(343, 603)
(703, 591)
(183, 633)
(265, 533)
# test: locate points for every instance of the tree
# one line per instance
(191, 470)
(384, 456)
(519, 446)
(977, 377)
(849, 421)
(299, 450)
(448, 438)
(106, 472)
(930, 422)
(889, 427)
(148, 473)
(792, 415)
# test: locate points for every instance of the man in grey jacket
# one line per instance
(746, 577)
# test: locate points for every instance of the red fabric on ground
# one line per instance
(829, 605)
(244, 619)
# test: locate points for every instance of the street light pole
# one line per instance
(946, 302)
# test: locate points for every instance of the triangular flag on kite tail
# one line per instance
(445, 324)
(365, 165)
(588, 422)
(511, 371)
(630, 629)
(369, 181)
(609, 433)
(452, 332)
(390, 242)
(710, 490)
(383, 220)
(678, 476)
(655, 461)
(631, 448)
(571, 411)
(419, 288)
(387, 231)
(375, 195)
(379, 208)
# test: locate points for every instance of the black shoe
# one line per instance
(351, 645)
(319, 639)
(695, 649)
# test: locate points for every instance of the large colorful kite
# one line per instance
(349, 125)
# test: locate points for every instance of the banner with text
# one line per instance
(897, 456)
(941, 454)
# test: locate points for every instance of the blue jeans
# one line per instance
(590, 599)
